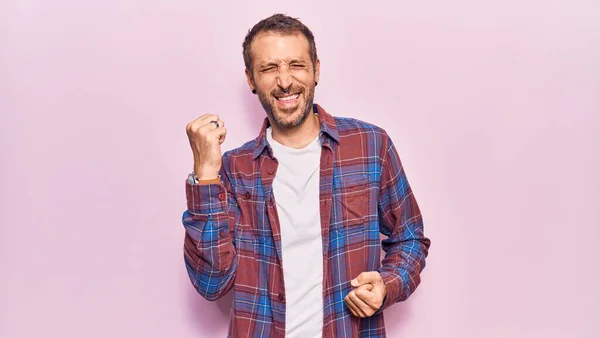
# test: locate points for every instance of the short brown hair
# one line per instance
(282, 24)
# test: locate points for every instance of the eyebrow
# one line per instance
(297, 61)
(268, 64)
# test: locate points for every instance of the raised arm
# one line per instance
(209, 252)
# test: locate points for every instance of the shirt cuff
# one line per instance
(207, 198)
(393, 287)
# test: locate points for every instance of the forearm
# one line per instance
(404, 261)
(209, 253)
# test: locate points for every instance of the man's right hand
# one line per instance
(205, 140)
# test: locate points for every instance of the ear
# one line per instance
(317, 70)
(250, 80)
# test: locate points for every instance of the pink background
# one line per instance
(494, 107)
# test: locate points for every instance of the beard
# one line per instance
(292, 117)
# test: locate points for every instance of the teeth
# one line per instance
(288, 98)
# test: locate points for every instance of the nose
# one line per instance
(284, 80)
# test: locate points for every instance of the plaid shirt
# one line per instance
(233, 238)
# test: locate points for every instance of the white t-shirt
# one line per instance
(296, 192)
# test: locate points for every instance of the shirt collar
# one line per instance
(328, 129)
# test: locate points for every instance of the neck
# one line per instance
(300, 136)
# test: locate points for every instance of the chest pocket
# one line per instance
(352, 201)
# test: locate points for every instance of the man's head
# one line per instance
(282, 68)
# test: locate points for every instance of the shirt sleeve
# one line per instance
(209, 252)
(401, 221)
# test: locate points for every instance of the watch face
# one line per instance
(192, 179)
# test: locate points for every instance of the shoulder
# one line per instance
(352, 129)
(349, 125)
(243, 152)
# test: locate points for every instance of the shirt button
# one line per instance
(270, 172)
(222, 234)
(247, 195)
(221, 196)
(281, 297)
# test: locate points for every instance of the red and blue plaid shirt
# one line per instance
(233, 238)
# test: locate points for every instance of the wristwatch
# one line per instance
(192, 179)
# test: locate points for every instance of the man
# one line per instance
(291, 220)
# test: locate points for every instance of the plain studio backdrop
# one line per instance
(493, 105)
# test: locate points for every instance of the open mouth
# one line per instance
(288, 98)
(289, 101)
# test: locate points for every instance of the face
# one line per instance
(283, 77)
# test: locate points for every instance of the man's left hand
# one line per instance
(368, 294)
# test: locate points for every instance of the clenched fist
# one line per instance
(368, 294)
(206, 134)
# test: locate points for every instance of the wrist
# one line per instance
(206, 174)
(192, 179)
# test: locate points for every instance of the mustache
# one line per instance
(291, 90)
